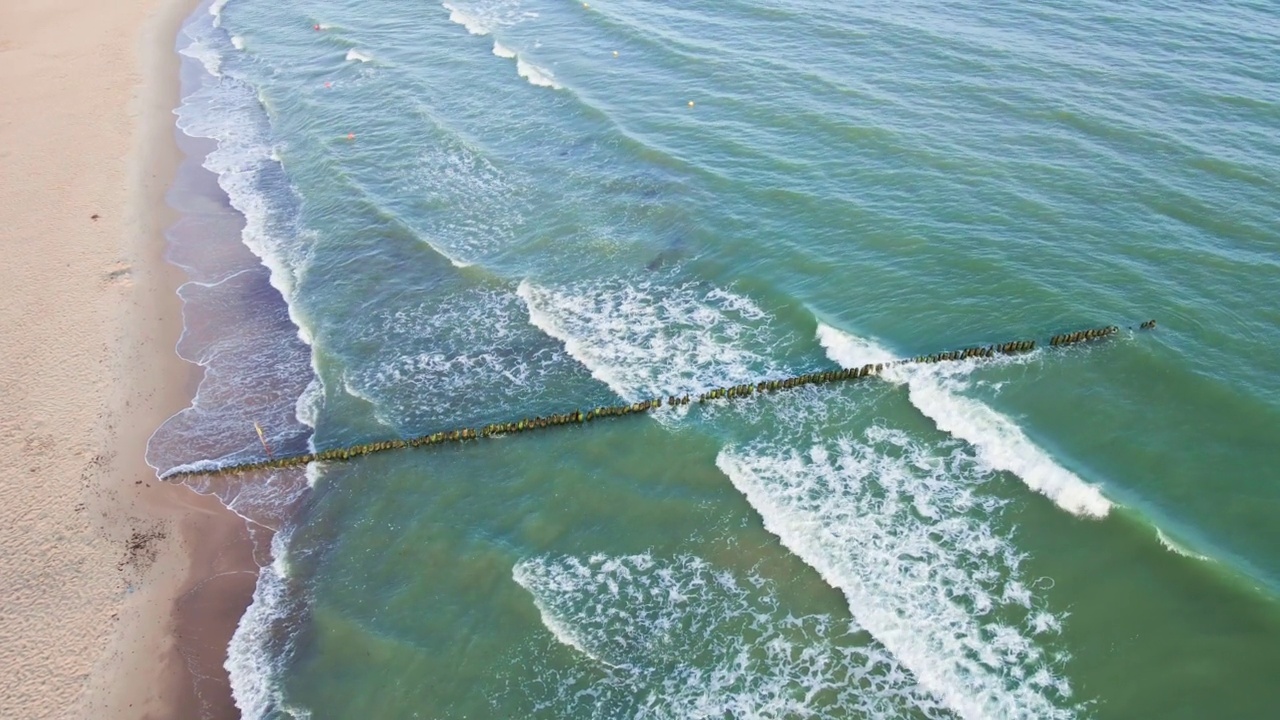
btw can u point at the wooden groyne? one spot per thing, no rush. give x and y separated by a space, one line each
578 417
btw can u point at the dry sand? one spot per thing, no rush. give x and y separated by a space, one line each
115 590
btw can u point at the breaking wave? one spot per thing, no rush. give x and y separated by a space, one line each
254 653
482 17
899 527
935 390
241 328
1174 547
650 338
903 532
470 209
678 638
541 77
473 24
461 358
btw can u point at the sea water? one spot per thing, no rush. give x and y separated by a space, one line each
483 210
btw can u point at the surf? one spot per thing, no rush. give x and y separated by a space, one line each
242 327
904 532
935 390
677 637
655 336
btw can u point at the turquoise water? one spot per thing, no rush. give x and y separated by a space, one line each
495 209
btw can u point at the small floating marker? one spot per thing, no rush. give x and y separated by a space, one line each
586 6
316 27
351 136
328 84
615 53
690 103
262 437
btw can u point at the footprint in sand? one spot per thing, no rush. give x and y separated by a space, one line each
119 274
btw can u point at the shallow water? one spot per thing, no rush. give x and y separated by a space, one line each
496 209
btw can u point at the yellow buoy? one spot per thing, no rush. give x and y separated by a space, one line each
690 103
615 53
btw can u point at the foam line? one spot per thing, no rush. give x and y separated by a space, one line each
477 25
680 638
934 390
215 9
227 110
899 529
457 345
251 655
472 23
649 338
561 630
537 76
1001 444
1174 547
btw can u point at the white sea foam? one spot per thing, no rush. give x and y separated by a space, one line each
229 112
1169 544
482 17
850 351
205 53
1001 444
935 390
253 648
471 209
901 530
651 338
564 633
254 371
215 9
237 42
540 77
313 474
357 56
473 24
941 589
256 355
473 344
677 638
307 408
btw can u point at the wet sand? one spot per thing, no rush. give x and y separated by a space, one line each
118 594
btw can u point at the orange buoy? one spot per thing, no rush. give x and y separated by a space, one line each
351 136
316 26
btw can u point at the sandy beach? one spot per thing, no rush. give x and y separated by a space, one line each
118 593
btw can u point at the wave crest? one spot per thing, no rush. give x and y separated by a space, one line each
679 638
935 391
900 530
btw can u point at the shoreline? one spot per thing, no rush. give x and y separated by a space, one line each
121 592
